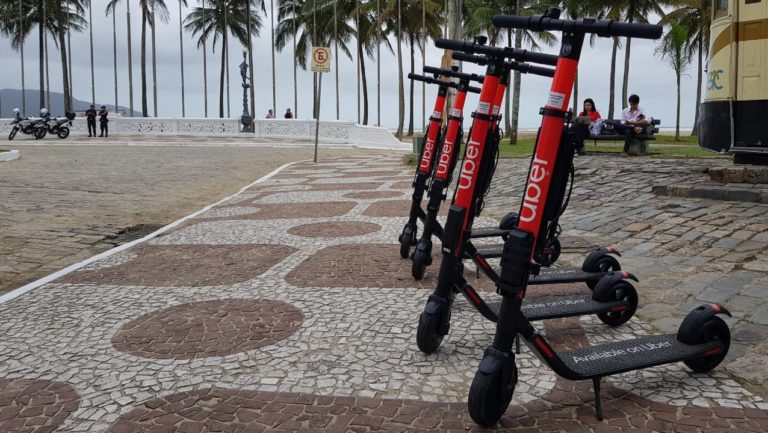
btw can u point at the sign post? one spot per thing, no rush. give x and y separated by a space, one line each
321 63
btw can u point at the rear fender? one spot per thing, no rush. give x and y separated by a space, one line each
689 330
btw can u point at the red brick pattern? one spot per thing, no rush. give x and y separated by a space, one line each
270 211
369 265
334 229
405 184
35 406
368 195
187 265
208 328
397 208
344 186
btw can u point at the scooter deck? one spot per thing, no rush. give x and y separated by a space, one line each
551 307
488 232
563 275
621 356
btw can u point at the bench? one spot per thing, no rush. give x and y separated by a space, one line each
639 144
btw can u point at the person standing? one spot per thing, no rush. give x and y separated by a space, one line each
103 121
288 114
91 120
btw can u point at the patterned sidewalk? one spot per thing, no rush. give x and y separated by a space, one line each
288 308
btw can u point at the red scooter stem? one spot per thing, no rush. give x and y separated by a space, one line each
540 174
452 132
497 105
467 182
428 154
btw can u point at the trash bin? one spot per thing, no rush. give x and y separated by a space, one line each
418 143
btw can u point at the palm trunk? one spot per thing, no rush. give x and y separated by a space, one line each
576 94
93 73
274 81
400 84
181 62
612 81
295 67
154 63
695 130
677 115
205 79
378 65
41 36
21 51
221 81
336 55
114 51
65 70
130 58
516 97
625 83
144 106
365 83
413 53
507 102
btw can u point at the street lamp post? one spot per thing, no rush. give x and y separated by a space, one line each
246 120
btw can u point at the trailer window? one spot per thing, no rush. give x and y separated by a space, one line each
721 8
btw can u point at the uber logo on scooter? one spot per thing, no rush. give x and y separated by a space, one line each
426 159
645 347
470 164
533 190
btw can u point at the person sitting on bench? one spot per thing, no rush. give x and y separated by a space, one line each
634 120
583 123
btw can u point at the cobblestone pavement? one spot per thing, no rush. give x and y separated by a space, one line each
60 204
261 316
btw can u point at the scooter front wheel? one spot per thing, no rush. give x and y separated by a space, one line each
489 396
434 323
407 239
622 291
605 264
551 252
421 258
714 329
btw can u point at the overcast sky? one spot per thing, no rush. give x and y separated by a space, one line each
650 77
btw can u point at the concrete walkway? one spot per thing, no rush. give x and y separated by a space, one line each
287 308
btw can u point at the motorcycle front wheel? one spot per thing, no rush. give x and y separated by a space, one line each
40 133
63 132
13 133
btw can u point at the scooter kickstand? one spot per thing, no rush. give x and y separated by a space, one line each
598 405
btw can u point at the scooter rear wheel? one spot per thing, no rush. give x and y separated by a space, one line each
604 264
714 329
622 291
551 252
63 132
13 133
489 397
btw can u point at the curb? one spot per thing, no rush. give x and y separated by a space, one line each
58 274
10 155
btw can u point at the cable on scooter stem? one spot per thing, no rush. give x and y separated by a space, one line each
524 68
604 28
511 53
450 84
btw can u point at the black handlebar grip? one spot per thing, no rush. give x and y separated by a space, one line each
450 44
544 59
635 30
514 22
536 70
473 89
464 57
452 73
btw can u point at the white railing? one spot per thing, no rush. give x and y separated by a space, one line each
331 131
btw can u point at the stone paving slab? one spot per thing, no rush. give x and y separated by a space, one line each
203 329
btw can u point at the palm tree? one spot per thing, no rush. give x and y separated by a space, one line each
673 49
215 19
480 13
695 17
111 9
181 54
14 26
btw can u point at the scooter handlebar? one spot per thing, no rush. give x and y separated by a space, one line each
522 67
452 73
605 28
451 84
506 52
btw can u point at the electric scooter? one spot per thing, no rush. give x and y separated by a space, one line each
703 338
424 168
613 307
437 193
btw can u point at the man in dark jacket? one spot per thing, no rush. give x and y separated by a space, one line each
103 121
91 120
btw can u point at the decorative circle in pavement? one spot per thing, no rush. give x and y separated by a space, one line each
395 208
369 265
367 195
35 406
271 211
334 229
187 265
208 328
344 186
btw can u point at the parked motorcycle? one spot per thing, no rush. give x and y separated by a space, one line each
29 125
59 126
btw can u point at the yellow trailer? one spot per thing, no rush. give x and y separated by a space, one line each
734 114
